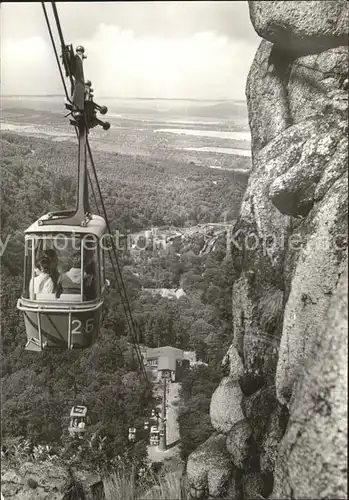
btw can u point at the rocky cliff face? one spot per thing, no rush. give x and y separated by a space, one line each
280 414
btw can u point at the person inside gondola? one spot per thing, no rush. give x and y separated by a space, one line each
90 281
42 281
70 282
53 259
81 425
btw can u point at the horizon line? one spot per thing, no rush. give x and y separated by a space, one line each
134 98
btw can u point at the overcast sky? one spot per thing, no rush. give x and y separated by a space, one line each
199 50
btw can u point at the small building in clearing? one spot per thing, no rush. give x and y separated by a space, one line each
169 293
167 362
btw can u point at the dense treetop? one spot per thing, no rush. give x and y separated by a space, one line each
38 389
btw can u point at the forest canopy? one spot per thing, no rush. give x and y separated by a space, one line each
38 389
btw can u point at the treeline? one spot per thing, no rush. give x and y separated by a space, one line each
138 192
39 388
200 320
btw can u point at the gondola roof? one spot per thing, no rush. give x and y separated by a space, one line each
96 226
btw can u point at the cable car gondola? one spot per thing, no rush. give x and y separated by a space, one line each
64 281
77 421
154 436
132 434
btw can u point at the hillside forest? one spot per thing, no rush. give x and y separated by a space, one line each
38 389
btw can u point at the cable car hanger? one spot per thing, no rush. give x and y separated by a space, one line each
62 305
83 110
41 325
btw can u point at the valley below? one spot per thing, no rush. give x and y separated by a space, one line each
219 138
172 187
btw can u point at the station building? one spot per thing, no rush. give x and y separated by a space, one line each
167 361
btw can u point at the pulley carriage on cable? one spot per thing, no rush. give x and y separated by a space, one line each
64 282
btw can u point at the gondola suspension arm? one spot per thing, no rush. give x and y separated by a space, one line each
83 111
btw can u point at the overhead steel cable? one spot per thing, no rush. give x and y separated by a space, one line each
61 37
93 193
126 305
65 87
55 50
121 286
62 78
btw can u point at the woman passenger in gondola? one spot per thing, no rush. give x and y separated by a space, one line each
45 279
53 258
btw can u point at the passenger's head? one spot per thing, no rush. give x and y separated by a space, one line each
43 263
76 260
47 260
52 256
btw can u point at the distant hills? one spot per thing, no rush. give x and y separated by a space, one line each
157 108
131 98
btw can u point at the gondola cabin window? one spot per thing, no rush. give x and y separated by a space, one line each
62 267
63 291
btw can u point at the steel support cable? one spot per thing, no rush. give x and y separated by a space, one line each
93 193
127 308
55 50
101 198
62 78
89 178
109 230
60 34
